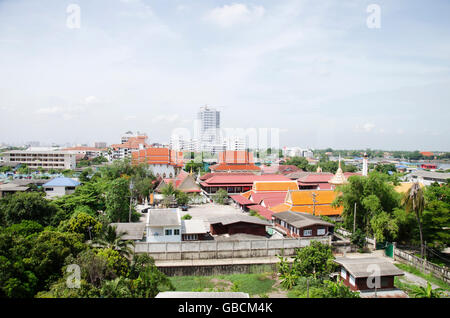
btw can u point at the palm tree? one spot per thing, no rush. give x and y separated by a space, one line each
415 201
111 239
169 193
427 292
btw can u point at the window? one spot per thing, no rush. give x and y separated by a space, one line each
168 232
343 273
320 231
352 280
176 232
307 232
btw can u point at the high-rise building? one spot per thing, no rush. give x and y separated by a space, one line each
209 128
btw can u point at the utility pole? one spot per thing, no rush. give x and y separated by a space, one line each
314 202
131 196
354 219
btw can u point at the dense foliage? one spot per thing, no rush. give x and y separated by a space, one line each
41 239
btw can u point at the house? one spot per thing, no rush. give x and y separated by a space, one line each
263 195
428 177
238 224
60 186
359 275
184 182
297 224
315 202
11 188
163 225
133 231
194 230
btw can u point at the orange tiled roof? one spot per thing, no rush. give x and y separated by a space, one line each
274 185
236 157
153 156
304 197
233 167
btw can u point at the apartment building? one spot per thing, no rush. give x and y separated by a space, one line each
46 159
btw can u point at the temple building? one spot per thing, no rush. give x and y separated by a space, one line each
236 161
315 202
339 178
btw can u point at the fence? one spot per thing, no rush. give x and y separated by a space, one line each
409 259
225 249
347 234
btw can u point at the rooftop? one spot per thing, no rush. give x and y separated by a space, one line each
163 217
300 220
236 218
363 267
134 231
62 182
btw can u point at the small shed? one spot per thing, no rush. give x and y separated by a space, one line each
193 230
133 231
361 274
234 224
298 224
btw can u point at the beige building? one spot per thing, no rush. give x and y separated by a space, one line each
46 159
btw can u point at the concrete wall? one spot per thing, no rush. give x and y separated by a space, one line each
225 249
210 270
409 259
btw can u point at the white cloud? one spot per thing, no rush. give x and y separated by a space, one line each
366 127
91 100
165 118
236 13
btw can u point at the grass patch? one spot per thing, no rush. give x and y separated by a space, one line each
407 288
253 284
428 277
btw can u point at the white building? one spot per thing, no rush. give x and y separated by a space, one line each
428 177
59 187
297 152
234 143
209 129
38 158
163 225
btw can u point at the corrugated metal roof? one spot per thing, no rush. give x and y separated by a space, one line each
62 182
364 267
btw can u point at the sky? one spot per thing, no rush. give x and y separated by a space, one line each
318 71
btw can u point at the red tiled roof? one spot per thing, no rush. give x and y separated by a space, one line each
266 213
234 167
247 179
270 198
427 153
212 174
236 157
241 200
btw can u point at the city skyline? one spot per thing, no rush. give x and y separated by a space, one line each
315 71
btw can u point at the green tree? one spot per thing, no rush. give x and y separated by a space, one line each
314 260
84 224
414 201
113 240
384 227
372 195
118 200
221 196
26 206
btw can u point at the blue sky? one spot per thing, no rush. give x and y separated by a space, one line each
313 69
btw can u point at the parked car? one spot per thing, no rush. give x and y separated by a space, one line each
184 208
